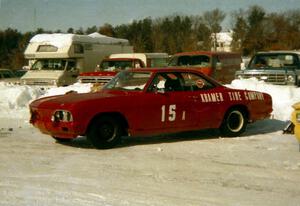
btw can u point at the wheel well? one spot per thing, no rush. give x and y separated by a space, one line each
242 108
118 116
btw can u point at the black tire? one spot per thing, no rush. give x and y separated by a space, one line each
234 123
59 139
105 132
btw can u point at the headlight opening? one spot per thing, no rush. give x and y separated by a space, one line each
62 116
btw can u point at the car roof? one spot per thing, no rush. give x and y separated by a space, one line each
205 53
280 52
119 59
176 69
168 69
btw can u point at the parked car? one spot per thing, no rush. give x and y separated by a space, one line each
274 67
8 76
6 73
143 102
20 72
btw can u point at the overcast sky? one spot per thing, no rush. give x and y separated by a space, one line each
28 15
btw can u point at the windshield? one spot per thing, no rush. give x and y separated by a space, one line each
116 65
159 62
129 80
53 64
194 61
273 61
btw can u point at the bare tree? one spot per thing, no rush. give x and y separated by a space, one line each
213 20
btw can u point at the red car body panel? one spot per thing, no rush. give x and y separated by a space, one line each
144 111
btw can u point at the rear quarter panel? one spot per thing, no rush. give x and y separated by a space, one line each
258 105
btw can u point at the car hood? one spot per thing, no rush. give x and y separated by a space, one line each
73 98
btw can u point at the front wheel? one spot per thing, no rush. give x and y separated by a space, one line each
105 132
234 123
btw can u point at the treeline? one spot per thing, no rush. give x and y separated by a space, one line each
253 30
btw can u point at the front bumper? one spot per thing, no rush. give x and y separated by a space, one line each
57 129
62 130
269 76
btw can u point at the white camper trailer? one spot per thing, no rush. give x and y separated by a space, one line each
57 59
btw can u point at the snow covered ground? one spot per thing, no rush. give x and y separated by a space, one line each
262 167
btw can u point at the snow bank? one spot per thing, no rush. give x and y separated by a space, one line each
80 88
14 100
283 96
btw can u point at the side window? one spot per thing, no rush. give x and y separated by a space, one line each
194 82
289 60
167 82
138 64
78 49
183 61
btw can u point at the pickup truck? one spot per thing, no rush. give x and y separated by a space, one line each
115 63
274 67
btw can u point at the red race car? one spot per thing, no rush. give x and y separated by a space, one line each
148 102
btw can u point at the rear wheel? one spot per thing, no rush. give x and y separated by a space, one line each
234 123
105 132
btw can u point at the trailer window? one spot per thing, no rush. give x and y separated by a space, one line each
78 49
47 48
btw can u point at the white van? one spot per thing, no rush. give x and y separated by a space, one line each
57 59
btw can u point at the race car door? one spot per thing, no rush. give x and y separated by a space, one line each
168 106
205 100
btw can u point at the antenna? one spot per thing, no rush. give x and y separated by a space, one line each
34 19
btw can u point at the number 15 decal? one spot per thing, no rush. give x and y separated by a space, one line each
171 114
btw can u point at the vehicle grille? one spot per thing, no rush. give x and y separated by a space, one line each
95 79
271 78
39 82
